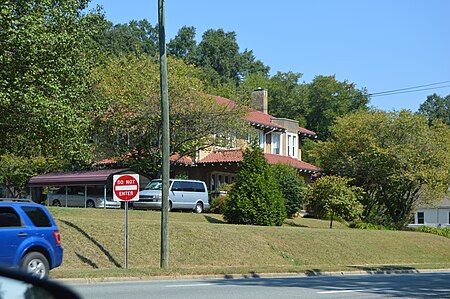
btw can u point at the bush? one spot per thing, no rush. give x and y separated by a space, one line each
292 187
444 232
255 197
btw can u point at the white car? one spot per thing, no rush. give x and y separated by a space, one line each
183 194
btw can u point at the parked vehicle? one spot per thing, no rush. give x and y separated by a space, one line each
75 197
30 238
183 194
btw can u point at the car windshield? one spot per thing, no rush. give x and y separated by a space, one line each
154 185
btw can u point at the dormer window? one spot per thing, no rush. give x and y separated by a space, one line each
276 143
292 145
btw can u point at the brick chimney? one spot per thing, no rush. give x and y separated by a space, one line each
260 99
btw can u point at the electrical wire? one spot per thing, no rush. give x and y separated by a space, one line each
409 89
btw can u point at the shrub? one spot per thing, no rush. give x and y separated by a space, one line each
292 187
255 197
331 196
444 232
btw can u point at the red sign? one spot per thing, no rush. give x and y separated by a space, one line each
126 187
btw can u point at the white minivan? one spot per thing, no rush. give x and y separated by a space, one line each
183 194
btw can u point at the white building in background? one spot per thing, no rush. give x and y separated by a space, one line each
433 215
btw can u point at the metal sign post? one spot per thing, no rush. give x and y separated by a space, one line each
126 189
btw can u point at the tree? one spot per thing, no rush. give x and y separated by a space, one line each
47 51
292 187
183 45
218 52
436 107
286 97
255 197
328 99
15 172
129 125
396 157
332 196
136 36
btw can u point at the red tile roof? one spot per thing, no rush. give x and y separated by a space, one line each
256 117
176 158
234 156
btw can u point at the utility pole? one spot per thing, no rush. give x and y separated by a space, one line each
164 261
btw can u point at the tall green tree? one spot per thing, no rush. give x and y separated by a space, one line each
183 45
396 157
46 53
332 196
292 187
218 52
136 36
328 99
130 121
287 97
255 197
436 107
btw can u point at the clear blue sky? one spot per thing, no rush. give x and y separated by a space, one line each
381 45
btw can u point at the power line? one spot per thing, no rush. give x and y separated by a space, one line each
409 89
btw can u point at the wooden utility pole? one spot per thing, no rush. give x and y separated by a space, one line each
164 261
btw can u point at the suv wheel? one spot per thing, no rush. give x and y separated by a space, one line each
198 208
56 203
90 204
35 264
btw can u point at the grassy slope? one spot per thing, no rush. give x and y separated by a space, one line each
202 244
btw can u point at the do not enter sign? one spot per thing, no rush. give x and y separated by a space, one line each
126 187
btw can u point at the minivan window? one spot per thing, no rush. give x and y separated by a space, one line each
37 216
9 217
199 187
187 186
177 186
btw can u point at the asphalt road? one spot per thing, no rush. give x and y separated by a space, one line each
411 285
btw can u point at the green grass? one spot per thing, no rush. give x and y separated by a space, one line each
202 244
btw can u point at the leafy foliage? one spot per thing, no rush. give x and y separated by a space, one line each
255 197
130 122
394 156
445 232
292 187
46 53
15 172
332 196
436 107
134 37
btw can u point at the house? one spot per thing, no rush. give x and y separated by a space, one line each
280 139
433 215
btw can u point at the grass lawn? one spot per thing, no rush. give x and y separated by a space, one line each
202 244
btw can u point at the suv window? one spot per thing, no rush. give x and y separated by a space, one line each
9 217
37 216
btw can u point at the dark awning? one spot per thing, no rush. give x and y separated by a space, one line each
75 178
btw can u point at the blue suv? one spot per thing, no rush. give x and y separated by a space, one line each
30 239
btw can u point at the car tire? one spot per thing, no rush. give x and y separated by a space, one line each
36 264
198 207
90 204
56 203
170 206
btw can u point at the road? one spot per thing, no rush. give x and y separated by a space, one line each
411 285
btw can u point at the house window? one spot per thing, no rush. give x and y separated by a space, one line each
261 139
276 143
448 217
292 145
227 141
420 218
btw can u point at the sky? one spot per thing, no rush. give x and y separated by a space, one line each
380 45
